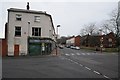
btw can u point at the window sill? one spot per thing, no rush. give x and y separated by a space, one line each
17 36
36 21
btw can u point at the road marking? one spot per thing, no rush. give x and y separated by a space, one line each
83 53
96 72
88 53
72 54
105 76
76 62
78 53
80 64
67 54
87 68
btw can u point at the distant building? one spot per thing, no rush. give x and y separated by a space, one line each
3 43
73 41
29 32
92 41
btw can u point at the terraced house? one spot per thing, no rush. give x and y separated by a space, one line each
29 32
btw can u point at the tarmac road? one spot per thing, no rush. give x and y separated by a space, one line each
70 64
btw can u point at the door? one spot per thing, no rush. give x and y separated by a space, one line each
34 49
16 50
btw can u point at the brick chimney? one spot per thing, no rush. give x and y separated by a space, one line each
28 7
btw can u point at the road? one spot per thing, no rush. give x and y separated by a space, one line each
70 64
105 64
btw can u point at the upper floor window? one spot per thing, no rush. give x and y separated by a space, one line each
37 18
17 31
18 17
36 31
110 40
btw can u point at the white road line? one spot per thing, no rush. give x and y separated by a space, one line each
96 72
67 54
83 53
76 62
105 76
80 64
87 68
78 53
72 54
88 53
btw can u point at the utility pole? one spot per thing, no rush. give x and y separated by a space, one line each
101 40
56 40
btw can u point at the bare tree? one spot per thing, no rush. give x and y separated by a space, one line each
111 24
106 28
88 29
118 27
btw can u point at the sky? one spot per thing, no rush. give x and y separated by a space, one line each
72 15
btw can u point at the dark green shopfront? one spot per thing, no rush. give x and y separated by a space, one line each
40 46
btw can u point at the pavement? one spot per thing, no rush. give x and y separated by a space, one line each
55 52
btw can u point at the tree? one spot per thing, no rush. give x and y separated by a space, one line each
118 27
112 25
88 29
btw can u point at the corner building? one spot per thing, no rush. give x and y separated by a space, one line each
30 32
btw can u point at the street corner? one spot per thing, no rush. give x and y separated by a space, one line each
55 52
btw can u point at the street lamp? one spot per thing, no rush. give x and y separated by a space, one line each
57 38
28 28
101 40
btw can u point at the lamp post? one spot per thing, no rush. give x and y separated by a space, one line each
56 39
28 28
101 40
28 36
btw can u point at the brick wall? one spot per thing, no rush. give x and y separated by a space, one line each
77 41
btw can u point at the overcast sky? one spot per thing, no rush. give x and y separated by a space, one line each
71 15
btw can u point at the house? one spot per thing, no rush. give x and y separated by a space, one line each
107 41
91 41
73 41
3 43
30 32
62 40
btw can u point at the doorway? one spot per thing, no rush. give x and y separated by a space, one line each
16 50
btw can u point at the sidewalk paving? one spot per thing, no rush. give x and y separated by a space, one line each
55 52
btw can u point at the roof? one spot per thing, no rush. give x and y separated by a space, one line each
27 11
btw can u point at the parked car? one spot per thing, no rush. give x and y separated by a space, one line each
67 46
72 47
77 48
61 46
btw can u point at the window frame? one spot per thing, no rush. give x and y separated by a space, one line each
17 31
18 17
36 31
36 18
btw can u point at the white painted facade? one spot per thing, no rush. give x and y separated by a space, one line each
70 41
26 24
0 47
